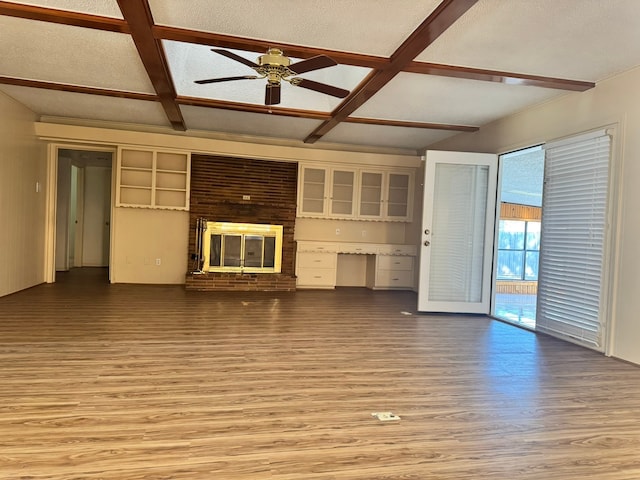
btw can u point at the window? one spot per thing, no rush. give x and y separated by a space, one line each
518 250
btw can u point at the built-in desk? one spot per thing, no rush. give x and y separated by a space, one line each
388 266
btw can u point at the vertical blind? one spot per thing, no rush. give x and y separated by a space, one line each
573 234
459 219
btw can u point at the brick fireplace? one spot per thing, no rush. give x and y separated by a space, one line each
237 190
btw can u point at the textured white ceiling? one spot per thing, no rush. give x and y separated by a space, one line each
105 8
384 136
575 39
91 107
375 27
65 54
415 97
578 39
243 123
189 62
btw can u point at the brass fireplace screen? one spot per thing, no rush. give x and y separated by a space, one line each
241 247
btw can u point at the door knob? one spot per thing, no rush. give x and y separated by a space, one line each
427 243
427 231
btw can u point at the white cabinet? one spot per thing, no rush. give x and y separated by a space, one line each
390 271
370 198
152 179
387 266
312 194
355 193
316 265
385 195
326 192
399 190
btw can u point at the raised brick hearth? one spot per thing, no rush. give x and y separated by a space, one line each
218 186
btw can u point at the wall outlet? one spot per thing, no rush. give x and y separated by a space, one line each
246 197
158 261
337 231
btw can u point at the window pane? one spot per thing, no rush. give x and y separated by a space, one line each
214 251
531 266
511 235
510 265
232 250
253 251
269 252
533 235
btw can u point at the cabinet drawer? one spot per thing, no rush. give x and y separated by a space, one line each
394 278
397 250
317 277
316 260
393 262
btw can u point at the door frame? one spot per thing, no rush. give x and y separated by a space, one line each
51 204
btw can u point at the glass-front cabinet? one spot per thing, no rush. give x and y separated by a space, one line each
355 193
327 192
385 195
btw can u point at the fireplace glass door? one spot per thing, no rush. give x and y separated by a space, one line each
243 252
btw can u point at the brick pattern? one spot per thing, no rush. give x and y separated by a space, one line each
218 186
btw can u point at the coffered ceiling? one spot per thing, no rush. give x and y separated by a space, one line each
416 71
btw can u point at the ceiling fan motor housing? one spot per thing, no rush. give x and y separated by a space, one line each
274 65
275 57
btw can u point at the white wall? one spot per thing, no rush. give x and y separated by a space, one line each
22 209
613 102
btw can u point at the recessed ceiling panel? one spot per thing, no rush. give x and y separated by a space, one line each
74 55
189 62
430 98
242 123
576 39
375 27
105 8
90 107
384 136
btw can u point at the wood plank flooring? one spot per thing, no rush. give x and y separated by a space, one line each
133 382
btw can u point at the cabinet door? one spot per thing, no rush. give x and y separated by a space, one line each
341 199
370 199
313 191
398 196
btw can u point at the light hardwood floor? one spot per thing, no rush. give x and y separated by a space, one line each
131 382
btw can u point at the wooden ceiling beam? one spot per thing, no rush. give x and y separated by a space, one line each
445 15
252 108
63 87
138 16
63 17
497 76
407 124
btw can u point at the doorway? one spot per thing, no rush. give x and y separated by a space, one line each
82 208
515 277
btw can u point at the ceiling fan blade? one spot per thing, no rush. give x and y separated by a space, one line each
272 94
226 79
233 56
313 63
321 87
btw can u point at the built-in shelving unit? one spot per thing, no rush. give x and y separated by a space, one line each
153 179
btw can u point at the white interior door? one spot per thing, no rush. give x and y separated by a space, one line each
457 232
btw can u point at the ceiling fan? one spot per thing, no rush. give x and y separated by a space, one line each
275 67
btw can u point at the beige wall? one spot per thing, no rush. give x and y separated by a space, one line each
143 235
22 209
613 102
